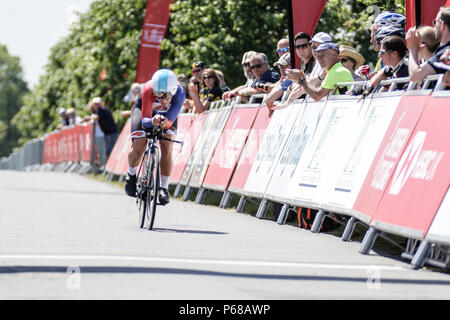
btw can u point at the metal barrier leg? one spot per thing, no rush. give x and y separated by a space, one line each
282 217
262 209
200 196
187 193
225 200
241 204
318 220
177 191
349 228
422 253
369 240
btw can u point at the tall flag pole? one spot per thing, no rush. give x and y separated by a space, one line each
156 19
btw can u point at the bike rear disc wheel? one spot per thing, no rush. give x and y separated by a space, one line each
154 190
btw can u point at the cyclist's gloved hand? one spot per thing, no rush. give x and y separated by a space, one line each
147 123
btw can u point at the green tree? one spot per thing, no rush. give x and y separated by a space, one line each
219 32
349 21
106 37
12 89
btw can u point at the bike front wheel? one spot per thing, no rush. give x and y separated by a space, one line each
153 191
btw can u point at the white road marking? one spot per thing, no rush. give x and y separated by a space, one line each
203 261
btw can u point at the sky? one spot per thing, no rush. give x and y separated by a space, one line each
29 28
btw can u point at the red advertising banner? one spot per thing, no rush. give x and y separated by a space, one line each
189 139
428 11
118 159
154 28
229 148
69 144
397 135
422 176
250 150
86 139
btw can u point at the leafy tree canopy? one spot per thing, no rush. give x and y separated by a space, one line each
217 32
12 89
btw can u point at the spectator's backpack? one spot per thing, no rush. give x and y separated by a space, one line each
306 218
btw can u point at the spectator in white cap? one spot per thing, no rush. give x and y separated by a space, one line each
64 117
327 56
106 122
318 73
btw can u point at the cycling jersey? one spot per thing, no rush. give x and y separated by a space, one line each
147 105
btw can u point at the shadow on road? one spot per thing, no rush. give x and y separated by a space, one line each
180 271
187 231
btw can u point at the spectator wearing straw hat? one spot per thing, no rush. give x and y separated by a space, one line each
351 59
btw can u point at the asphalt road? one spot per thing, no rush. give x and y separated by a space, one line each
65 236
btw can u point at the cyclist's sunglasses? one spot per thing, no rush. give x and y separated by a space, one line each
163 95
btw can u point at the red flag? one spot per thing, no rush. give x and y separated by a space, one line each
306 15
428 11
153 31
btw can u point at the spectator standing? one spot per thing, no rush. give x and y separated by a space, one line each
72 117
393 52
281 86
210 92
64 117
442 30
282 46
327 56
351 59
197 69
247 73
318 73
259 64
107 124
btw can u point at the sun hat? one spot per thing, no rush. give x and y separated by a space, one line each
347 51
97 100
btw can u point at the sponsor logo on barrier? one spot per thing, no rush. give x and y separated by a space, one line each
416 163
385 166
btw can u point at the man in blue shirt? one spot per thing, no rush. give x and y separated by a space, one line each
259 65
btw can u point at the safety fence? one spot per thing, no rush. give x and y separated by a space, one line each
382 162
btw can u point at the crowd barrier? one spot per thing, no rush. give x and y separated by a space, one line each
382 162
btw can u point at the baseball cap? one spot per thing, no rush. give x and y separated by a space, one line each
321 37
97 100
285 60
61 111
327 45
198 65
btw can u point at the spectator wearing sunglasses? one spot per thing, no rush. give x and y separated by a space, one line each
351 59
327 56
282 46
211 91
442 29
318 73
259 64
393 54
247 73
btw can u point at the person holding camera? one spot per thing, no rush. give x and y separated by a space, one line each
211 91
264 75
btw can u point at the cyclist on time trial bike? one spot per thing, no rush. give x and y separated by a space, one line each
158 105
